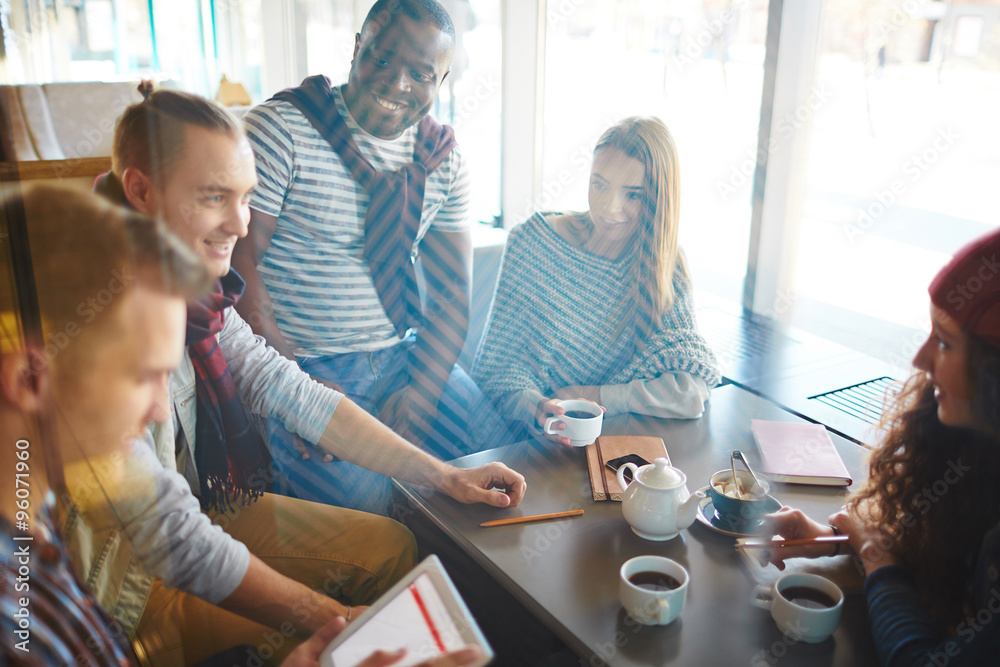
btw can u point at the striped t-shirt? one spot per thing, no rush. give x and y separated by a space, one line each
314 270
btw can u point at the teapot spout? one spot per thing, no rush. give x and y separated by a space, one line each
688 509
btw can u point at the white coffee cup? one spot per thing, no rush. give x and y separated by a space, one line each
648 606
803 623
580 431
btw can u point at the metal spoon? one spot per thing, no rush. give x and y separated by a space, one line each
738 454
736 480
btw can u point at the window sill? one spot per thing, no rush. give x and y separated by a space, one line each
53 169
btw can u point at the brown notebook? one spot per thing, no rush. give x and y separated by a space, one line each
603 481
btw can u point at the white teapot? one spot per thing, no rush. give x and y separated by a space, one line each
657 504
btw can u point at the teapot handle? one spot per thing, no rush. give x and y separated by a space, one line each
621 475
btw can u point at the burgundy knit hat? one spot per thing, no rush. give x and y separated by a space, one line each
968 289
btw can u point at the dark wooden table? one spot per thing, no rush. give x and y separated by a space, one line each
566 572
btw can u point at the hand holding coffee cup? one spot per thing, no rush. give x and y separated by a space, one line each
653 589
806 607
579 421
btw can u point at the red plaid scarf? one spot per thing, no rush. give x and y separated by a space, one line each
231 457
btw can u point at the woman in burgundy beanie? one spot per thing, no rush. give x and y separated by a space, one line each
968 289
925 526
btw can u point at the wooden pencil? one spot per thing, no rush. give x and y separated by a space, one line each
533 517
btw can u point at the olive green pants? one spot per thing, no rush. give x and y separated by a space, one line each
349 555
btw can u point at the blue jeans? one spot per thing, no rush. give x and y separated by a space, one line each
369 379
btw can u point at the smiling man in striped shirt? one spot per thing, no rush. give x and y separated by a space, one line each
355 182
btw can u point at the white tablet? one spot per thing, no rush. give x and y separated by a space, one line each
422 613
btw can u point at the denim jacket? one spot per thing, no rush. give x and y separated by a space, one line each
157 530
163 532
270 386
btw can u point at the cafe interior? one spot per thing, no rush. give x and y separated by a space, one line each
835 155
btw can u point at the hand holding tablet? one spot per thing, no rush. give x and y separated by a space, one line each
423 614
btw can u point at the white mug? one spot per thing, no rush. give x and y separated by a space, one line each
581 432
647 606
799 622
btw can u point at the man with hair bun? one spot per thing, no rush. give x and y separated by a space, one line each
72 412
183 159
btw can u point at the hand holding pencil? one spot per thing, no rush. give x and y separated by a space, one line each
798 537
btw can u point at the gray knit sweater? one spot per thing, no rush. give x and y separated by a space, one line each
563 316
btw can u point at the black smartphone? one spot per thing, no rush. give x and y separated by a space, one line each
615 464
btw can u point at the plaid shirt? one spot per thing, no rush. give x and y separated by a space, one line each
48 617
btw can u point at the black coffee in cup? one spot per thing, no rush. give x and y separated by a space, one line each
654 581
810 598
580 414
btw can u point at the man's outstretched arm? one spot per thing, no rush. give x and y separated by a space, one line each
275 387
354 435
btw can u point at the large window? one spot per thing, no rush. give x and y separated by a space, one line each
900 131
264 44
189 42
902 165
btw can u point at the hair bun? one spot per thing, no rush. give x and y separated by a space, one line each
145 88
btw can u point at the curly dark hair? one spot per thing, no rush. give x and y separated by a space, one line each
935 489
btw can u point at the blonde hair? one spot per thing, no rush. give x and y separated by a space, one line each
648 140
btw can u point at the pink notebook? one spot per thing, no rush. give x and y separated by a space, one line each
799 453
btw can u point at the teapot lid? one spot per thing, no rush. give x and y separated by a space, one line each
660 475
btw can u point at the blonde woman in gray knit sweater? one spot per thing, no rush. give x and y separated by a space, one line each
597 305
